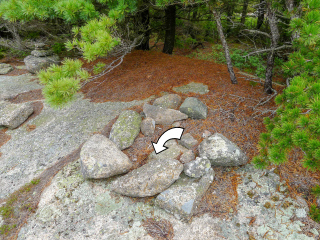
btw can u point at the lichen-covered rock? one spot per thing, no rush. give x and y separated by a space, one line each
188 141
35 64
162 115
192 88
5 68
100 158
125 130
13 115
194 108
173 152
150 179
41 53
183 197
172 101
197 168
221 151
147 126
187 156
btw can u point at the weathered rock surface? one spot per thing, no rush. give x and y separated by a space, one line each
150 179
13 115
173 152
187 156
5 68
101 158
162 115
194 108
148 126
197 168
182 198
221 151
172 101
41 53
206 134
35 64
188 141
192 88
125 130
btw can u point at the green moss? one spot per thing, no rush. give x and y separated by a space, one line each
267 205
250 194
5 229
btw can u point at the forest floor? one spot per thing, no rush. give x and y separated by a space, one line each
234 110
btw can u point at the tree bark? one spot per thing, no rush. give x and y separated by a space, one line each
244 11
261 11
170 25
143 19
275 36
225 47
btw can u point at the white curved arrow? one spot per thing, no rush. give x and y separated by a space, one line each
172 133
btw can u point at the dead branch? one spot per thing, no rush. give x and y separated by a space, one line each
268 50
257 32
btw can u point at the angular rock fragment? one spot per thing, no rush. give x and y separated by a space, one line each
206 134
148 126
162 115
183 197
194 108
101 158
188 141
150 179
173 152
172 101
197 168
5 68
125 130
187 156
221 151
13 115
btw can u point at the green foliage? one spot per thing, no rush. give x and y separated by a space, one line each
297 124
58 47
5 229
316 191
315 213
99 67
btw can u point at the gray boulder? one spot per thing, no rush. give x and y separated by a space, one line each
13 115
150 179
35 64
187 156
125 130
148 126
162 115
42 53
5 68
197 168
183 197
188 141
194 108
100 158
172 101
221 151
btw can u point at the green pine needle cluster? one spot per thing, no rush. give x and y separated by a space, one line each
297 124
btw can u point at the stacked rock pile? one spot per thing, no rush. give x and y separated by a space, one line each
40 58
178 176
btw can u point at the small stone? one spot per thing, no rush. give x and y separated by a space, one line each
148 126
173 152
186 157
197 168
5 68
101 158
176 124
172 101
41 53
188 141
125 130
206 134
35 64
194 108
40 46
162 115
13 115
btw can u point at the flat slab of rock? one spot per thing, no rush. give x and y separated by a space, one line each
172 101
192 88
125 130
187 156
42 53
162 115
221 151
150 179
13 115
101 158
35 64
173 152
197 168
183 197
5 68
148 126
188 141
194 108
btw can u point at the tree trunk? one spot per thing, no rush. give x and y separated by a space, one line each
244 11
143 19
275 36
225 47
170 29
261 11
